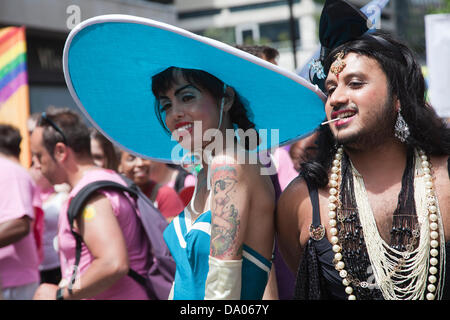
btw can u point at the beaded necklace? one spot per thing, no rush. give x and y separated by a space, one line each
391 267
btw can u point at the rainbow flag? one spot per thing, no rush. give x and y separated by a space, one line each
13 68
14 95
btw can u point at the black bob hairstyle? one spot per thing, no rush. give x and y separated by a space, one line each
163 81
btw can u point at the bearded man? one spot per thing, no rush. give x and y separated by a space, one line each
369 215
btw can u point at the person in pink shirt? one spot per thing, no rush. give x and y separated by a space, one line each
113 238
285 167
53 198
19 275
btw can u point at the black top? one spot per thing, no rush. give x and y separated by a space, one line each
317 277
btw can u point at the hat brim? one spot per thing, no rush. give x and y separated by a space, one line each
108 66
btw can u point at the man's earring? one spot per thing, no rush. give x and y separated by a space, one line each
401 128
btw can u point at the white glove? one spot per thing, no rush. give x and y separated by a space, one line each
171 292
224 279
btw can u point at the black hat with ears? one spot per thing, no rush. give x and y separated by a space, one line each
340 22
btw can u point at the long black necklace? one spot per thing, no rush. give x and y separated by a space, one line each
351 237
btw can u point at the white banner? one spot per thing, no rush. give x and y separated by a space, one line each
437 32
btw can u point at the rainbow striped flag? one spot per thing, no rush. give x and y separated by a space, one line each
13 67
14 94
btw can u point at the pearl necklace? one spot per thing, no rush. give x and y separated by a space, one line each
434 234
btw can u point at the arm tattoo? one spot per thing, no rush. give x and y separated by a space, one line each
225 224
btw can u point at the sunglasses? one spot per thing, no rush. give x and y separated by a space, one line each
49 121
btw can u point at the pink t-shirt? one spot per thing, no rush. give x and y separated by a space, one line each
18 261
126 288
285 167
189 181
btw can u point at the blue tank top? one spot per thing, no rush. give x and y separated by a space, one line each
189 244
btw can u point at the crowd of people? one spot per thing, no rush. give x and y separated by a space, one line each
359 209
33 233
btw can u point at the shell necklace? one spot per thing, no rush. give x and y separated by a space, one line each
399 275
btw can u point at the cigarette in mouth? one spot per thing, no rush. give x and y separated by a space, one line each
327 122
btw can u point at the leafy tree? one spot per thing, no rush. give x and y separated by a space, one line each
443 8
221 34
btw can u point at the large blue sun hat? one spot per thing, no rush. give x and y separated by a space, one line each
109 62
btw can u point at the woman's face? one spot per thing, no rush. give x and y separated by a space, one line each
189 111
135 168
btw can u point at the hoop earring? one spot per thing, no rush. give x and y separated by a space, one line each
401 128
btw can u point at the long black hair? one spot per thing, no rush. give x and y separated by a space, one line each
406 82
163 81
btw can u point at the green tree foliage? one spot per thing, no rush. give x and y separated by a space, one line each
221 34
443 8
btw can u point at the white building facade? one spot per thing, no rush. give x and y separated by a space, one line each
255 21
48 22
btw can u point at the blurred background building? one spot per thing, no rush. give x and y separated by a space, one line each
291 26
256 21
268 22
48 23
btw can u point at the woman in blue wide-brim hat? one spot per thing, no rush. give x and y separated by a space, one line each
163 93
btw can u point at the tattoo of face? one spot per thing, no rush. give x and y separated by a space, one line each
225 214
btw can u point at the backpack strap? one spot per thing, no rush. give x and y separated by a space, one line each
144 282
75 207
78 202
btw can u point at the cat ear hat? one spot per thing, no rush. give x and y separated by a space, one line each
109 62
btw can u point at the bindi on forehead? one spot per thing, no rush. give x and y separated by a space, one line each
356 64
339 64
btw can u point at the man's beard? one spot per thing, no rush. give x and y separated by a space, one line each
380 129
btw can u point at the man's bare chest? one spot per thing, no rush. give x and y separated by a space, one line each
383 205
